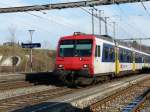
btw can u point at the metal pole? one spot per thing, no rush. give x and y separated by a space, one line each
92 21
106 30
140 44
31 51
114 29
100 23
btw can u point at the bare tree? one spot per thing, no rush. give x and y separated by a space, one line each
12 31
45 45
12 38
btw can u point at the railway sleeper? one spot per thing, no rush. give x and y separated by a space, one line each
133 106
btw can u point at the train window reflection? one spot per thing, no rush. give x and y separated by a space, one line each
79 48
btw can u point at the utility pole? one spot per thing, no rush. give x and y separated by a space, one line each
114 29
31 34
106 30
92 20
140 44
100 23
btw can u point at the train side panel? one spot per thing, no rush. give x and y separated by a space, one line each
125 58
119 60
103 64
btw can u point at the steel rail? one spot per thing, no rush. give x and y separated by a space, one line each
14 85
137 103
10 104
122 98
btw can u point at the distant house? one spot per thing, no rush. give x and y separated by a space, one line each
11 44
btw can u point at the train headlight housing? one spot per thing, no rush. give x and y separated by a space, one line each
60 66
85 66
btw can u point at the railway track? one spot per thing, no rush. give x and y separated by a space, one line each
18 102
138 103
130 99
13 103
145 105
14 85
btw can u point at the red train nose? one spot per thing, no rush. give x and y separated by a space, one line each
74 63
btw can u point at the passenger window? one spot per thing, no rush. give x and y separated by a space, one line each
111 54
121 56
133 56
129 57
106 53
98 51
136 58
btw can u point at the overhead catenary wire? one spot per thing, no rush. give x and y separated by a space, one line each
64 5
41 17
34 25
50 20
130 35
102 19
146 10
130 23
58 23
96 16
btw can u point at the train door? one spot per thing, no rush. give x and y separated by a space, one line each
133 60
144 61
117 63
97 60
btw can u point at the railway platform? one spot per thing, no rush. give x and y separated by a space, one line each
86 98
31 77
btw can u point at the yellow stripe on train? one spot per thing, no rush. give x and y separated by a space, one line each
133 66
117 71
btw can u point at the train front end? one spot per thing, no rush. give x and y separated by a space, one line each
74 60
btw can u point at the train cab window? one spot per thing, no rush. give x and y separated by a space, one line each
75 48
98 51
83 47
66 48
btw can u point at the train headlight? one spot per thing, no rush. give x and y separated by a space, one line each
85 66
60 66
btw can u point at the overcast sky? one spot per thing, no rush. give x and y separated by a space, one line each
132 22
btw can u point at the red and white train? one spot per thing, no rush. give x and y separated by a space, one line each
83 58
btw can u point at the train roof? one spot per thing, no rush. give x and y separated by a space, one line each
106 38
122 44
